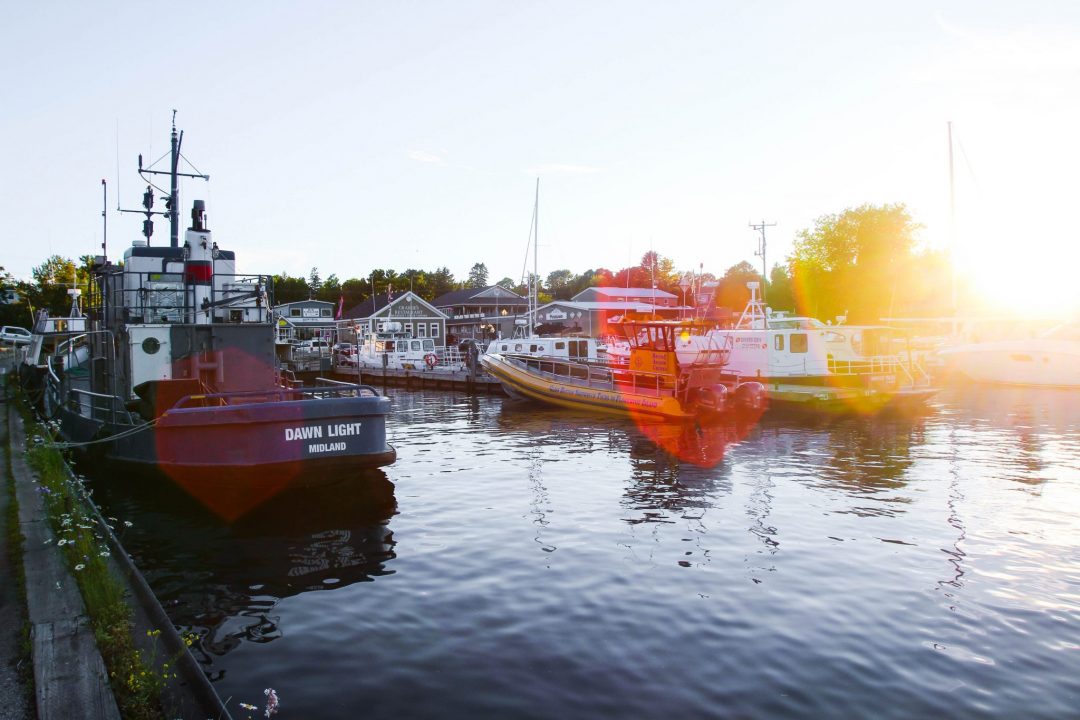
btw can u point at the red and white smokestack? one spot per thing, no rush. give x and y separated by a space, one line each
199 266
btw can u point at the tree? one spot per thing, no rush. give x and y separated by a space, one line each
478 276
330 289
507 283
314 283
855 263
733 292
442 282
52 280
14 313
781 293
288 289
559 284
355 291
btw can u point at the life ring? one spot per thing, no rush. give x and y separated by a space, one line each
430 359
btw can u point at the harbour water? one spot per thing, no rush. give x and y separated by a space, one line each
524 562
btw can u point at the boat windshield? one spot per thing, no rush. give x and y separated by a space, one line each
796 323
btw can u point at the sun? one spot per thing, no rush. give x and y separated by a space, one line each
1022 276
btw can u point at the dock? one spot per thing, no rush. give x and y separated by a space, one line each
461 380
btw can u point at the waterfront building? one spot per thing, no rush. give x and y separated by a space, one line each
654 297
482 313
304 320
417 317
588 312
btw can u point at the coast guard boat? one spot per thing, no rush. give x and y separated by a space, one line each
804 363
173 368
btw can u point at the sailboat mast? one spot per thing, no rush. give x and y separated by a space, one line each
534 297
952 225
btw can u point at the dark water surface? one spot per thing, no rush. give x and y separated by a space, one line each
524 562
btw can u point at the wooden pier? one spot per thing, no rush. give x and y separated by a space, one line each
480 383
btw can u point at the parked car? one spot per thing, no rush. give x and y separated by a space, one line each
321 347
15 335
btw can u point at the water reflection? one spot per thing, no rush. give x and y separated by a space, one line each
867 459
223 580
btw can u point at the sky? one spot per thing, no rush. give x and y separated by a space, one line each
362 135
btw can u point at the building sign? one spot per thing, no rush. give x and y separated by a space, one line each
408 309
556 315
310 312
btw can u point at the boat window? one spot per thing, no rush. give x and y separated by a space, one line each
778 342
415 345
798 342
560 346
532 348
429 344
517 347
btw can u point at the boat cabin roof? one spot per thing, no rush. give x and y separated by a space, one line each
659 334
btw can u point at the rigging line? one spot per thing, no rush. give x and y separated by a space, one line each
151 184
525 263
971 170
118 163
197 170
151 165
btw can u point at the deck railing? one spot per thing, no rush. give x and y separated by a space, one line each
593 375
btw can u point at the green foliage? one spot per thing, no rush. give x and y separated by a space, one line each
289 289
478 276
780 294
52 280
560 284
442 282
330 290
136 681
855 262
733 292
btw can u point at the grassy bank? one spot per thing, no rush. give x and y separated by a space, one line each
136 679
14 544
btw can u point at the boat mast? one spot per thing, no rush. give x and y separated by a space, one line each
172 200
172 204
534 295
952 227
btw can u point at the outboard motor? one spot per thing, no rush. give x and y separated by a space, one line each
710 400
750 397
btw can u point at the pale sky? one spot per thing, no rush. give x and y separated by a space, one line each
361 135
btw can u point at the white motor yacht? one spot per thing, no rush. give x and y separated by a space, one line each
1051 359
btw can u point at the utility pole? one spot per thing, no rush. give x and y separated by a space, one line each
760 227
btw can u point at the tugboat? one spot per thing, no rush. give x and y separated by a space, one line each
173 368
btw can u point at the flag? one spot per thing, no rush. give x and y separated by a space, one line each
340 306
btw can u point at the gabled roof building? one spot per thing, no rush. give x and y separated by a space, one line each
481 312
417 317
